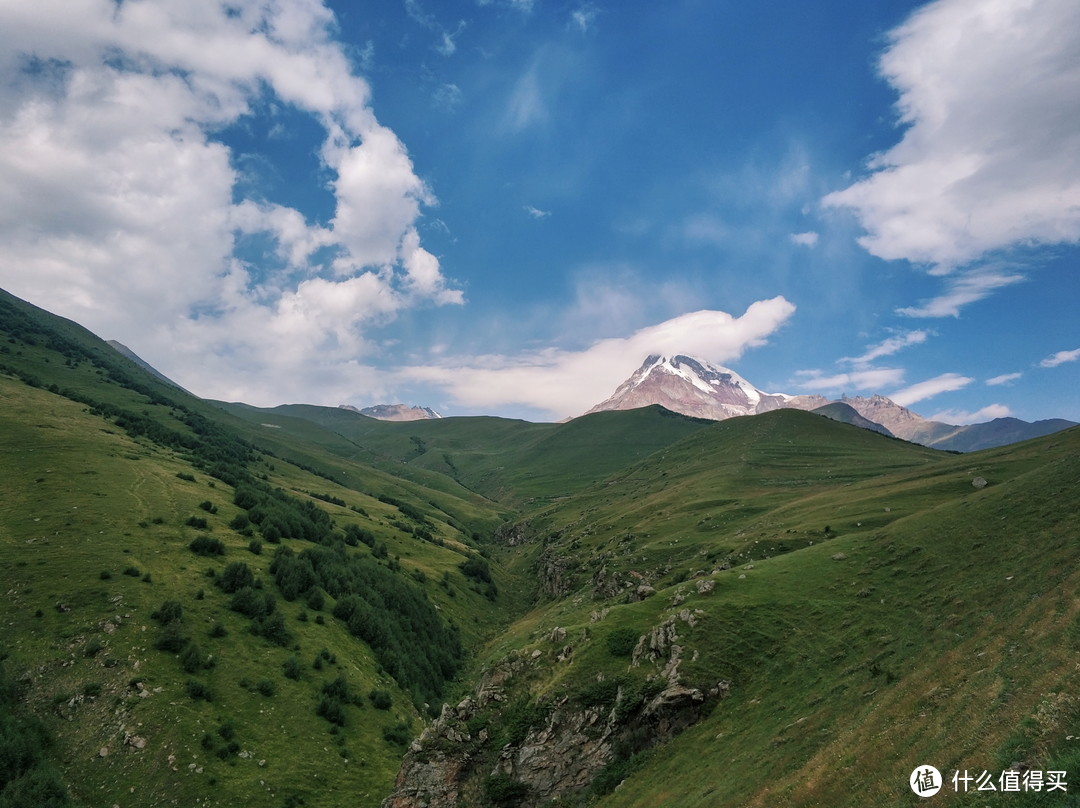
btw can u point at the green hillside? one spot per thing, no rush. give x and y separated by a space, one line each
215 604
514 462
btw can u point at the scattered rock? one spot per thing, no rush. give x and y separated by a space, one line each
705 586
839 557
979 483
103 751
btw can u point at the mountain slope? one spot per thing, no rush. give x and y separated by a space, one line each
696 388
784 607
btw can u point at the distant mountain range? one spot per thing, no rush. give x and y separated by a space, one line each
698 388
394 412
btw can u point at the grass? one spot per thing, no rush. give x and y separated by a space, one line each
868 608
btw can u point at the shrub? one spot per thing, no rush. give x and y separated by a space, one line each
105 575
134 572
218 631
197 690
235 577
255 546
206 546
381 700
504 789
168 611
197 522
397 734
93 648
621 641
292 668
332 710
266 687
185 476
208 506
191 659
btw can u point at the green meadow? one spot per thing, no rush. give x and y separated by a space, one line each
210 604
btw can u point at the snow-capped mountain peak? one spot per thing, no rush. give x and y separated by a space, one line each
696 387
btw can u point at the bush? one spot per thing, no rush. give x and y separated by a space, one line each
197 690
134 572
398 734
208 506
621 641
266 687
168 612
504 789
292 668
381 700
255 546
105 575
206 546
191 659
332 710
197 522
235 577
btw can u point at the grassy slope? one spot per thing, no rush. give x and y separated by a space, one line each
515 462
82 505
946 632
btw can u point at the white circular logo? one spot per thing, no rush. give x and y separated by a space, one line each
925 781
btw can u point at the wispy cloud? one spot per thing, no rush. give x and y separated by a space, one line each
584 18
1060 358
987 413
989 106
864 379
945 383
1005 378
565 383
536 213
888 347
961 290
807 239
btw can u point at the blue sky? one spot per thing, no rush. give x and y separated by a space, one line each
502 206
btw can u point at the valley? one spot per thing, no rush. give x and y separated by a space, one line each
213 604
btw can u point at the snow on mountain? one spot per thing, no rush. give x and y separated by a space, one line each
697 388
394 412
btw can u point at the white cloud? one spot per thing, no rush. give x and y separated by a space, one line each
960 290
1005 378
583 18
117 203
807 239
945 383
989 98
565 383
888 347
987 413
1060 358
863 379
536 213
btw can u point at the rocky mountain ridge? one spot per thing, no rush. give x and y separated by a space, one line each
700 389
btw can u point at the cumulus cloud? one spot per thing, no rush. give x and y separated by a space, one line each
1060 358
989 98
987 413
565 383
120 208
945 383
1005 378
